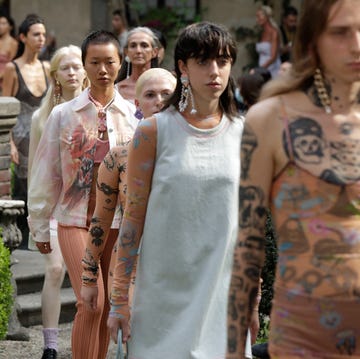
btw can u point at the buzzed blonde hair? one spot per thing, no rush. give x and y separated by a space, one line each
151 75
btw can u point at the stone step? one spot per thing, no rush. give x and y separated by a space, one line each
32 283
28 269
29 312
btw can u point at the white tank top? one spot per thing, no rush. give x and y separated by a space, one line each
180 300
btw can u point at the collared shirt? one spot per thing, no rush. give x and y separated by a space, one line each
62 170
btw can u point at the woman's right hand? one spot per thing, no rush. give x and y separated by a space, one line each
89 296
114 324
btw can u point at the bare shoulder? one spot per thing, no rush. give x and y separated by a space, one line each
46 65
268 111
10 67
264 122
10 71
10 80
264 113
146 132
148 125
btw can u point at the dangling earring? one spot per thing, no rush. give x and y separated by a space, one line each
321 91
138 114
186 93
127 60
57 93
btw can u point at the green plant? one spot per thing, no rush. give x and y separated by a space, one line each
168 19
268 276
6 289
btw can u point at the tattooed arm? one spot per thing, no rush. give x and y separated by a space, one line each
141 161
256 177
110 186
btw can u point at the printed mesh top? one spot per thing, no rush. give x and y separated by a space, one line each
317 288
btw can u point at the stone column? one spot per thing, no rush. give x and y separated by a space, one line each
9 209
9 109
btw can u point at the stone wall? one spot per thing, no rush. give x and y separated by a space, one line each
9 109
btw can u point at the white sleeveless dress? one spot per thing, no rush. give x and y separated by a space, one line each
264 50
185 260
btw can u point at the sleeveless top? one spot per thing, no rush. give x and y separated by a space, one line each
179 309
264 51
21 130
316 302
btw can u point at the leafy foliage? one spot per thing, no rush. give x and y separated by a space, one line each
6 289
167 19
268 276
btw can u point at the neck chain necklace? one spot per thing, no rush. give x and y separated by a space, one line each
102 127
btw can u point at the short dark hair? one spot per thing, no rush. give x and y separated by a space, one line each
160 35
290 10
118 12
99 37
30 20
11 22
250 87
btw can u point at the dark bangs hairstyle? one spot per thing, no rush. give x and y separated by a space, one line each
205 40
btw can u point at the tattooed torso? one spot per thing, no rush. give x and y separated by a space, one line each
304 164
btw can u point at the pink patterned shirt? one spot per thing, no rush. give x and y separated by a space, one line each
62 170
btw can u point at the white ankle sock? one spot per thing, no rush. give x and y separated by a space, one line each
50 338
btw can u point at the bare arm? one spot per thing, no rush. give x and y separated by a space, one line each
10 83
256 177
35 135
9 80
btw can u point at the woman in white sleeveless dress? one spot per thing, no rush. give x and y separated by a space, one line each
268 48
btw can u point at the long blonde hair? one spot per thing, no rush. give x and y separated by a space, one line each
268 13
305 56
47 103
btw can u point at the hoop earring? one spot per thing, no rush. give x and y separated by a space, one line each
186 94
57 93
128 64
321 91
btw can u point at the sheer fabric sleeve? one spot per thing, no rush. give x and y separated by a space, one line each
141 162
110 193
35 135
45 179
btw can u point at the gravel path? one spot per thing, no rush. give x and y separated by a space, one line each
34 347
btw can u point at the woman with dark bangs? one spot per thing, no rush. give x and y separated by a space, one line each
182 199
